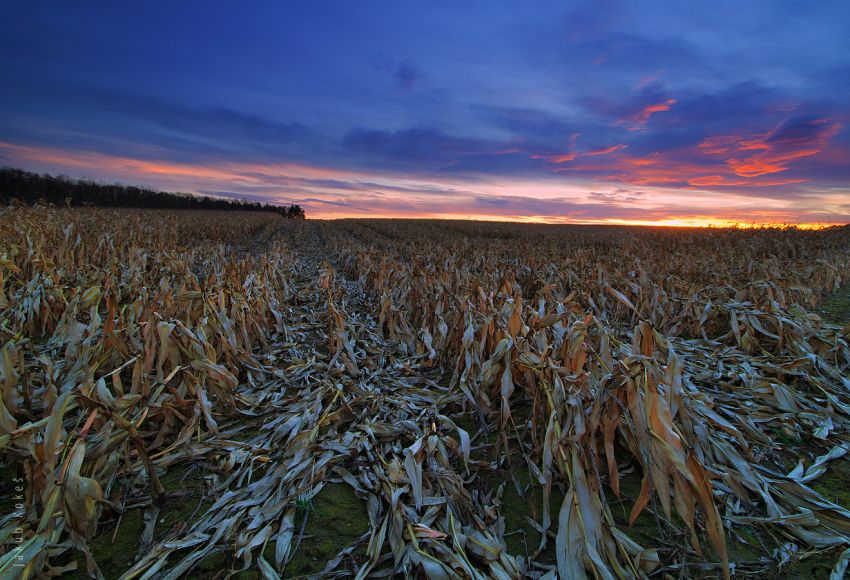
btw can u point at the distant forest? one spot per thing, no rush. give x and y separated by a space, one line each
31 188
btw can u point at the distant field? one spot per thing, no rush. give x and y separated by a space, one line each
199 394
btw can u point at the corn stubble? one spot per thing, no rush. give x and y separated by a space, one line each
418 362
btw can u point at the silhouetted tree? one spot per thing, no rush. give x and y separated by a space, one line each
31 188
295 212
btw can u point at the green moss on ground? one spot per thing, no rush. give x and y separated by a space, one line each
521 538
114 557
213 564
745 547
645 531
115 552
836 308
336 519
815 567
833 486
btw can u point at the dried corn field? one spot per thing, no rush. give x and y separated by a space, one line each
213 395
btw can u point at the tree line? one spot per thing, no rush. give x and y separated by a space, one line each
31 188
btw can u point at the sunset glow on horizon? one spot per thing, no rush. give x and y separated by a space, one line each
666 114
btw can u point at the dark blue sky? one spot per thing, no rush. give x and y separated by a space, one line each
629 111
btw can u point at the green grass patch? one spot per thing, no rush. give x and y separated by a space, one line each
836 308
335 518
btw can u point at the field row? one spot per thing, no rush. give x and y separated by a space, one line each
467 399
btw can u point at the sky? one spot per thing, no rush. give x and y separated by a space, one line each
679 113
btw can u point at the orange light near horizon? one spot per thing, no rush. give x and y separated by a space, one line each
719 223
684 222
690 201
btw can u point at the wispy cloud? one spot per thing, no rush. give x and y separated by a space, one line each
639 120
773 152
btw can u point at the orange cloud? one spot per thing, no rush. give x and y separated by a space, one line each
719 180
746 160
720 144
649 79
129 167
557 158
774 150
641 118
650 110
572 156
683 168
605 150
561 157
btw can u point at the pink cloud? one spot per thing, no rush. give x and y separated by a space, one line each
605 150
774 150
639 120
573 155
